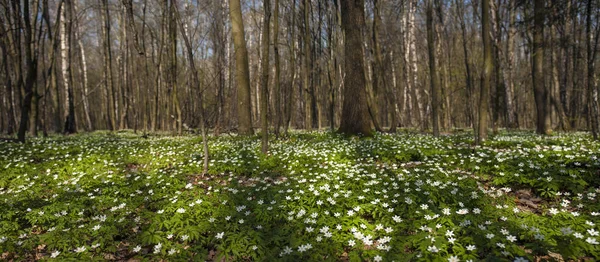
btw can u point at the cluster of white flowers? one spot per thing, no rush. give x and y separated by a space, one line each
319 194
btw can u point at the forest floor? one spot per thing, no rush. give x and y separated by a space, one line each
315 197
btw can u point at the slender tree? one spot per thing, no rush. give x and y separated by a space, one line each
264 89
30 70
511 117
65 45
276 81
195 85
460 8
434 80
178 121
592 50
241 69
484 95
108 76
84 73
289 112
307 88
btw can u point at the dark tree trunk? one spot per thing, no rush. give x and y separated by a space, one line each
276 91
264 88
31 72
434 80
355 114
539 89
592 93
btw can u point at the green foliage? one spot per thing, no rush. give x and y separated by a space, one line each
315 196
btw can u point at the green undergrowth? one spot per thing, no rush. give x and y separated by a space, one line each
316 196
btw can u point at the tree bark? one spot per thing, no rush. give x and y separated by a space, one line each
178 122
108 76
469 75
413 62
540 92
276 84
592 91
355 115
555 93
85 93
65 46
500 89
484 96
10 112
195 86
511 116
30 69
264 89
241 69
434 80
290 92
307 68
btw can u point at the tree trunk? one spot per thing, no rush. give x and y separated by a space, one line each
195 86
264 90
241 69
371 95
290 92
30 69
434 80
52 81
7 99
576 74
407 104
65 46
108 77
592 91
307 68
178 122
469 75
85 93
413 62
498 108
277 91
379 80
540 92
484 96
355 115
555 94
511 116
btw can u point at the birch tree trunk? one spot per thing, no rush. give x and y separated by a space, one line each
85 93
413 62
65 44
